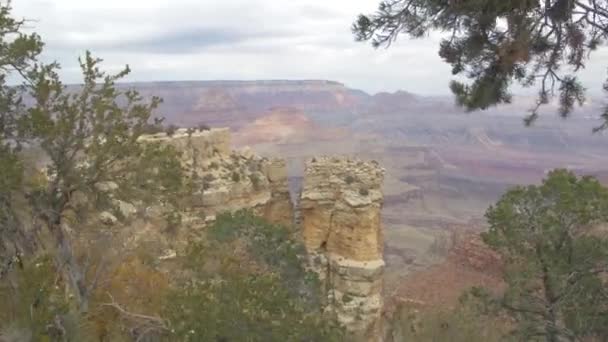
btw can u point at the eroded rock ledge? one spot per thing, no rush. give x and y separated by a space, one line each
340 208
230 180
338 214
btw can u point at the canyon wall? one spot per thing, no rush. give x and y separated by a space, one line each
338 213
227 180
340 208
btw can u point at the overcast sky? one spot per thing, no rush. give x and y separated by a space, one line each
240 39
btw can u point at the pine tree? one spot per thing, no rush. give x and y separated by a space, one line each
556 257
496 43
19 52
89 137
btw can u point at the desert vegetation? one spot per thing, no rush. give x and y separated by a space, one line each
67 272
554 249
95 244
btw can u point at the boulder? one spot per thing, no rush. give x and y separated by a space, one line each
107 218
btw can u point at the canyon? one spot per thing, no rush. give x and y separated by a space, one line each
441 169
444 167
337 214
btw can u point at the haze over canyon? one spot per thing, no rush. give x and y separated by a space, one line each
444 166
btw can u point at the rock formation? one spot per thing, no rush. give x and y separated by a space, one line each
229 180
340 209
339 214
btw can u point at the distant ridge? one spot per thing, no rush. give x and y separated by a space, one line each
232 83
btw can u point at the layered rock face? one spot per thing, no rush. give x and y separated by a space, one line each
339 214
340 208
229 180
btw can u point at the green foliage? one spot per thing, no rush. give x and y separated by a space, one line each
555 262
34 301
496 43
171 129
349 179
91 136
19 52
209 178
247 282
203 127
604 114
153 128
346 298
236 177
255 180
271 245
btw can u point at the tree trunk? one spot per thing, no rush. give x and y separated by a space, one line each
551 321
68 265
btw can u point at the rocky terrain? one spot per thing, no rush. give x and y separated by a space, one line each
340 206
338 215
443 167
228 180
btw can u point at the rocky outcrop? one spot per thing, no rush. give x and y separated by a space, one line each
339 214
196 146
227 180
340 207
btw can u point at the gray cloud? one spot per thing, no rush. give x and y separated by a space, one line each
240 39
186 41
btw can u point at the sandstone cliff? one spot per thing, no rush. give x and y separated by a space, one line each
340 209
227 180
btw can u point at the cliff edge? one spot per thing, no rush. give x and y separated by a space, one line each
340 208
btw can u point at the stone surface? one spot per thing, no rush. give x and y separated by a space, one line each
229 180
107 218
127 210
197 146
340 208
339 213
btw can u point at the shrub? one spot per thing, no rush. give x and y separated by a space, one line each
255 180
214 166
363 191
32 301
346 298
171 129
203 127
350 179
253 165
152 129
236 177
248 282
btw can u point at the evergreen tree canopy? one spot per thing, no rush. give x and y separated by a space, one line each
88 136
19 52
556 257
247 281
496 43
